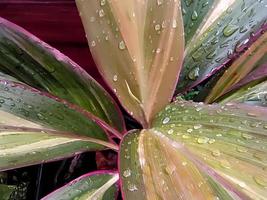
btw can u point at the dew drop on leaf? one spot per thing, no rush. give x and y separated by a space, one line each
166 120
194 15
261 180
127 173
122 45
229 30
132 187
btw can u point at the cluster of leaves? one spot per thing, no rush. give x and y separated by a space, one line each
51 109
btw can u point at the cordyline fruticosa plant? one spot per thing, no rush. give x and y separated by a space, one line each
51 109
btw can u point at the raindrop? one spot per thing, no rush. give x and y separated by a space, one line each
132 187
190 130
102 2
40 116
127 173
225 164
2 101
115 78
247 136
211 141
122 45
170 131
194 15
202 140
261 180
241 149
174 23
93 43
157 27
184 163
229 30
197 126
101 13
216 153
205 4
158 50
194 73
159 2
166 120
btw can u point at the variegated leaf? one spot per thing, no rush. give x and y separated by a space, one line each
30 60
99 185
198 151
138 48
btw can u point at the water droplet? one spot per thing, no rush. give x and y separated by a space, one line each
166 120
127 173
247 136
194 15
241 149
170 169
157 27
122 45
174 23
194 73
2 101
101 13
202 140
40 116
211 141
229 30
132 187
158 50
159 2
261 180
184 163
115 78
225 164
93 43
197 126
102 2
205 4
190 130
170 131
216 153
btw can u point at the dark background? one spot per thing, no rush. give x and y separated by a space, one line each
56 22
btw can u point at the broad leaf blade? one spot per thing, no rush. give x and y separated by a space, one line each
219 43
240 68
198 151
194 15
20 101
138 48
99 185
6 191
21 146
35 63
255 95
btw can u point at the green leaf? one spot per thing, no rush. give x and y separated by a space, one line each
194 15
221 41
42 119
6 191
240 68
255 95
198 151
99 185
138 48
37 64
20 146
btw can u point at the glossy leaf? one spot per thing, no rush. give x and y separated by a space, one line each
20 146
194 15
35 63
240 68
219 44
100 185
6 191
198 151
255 95
138 48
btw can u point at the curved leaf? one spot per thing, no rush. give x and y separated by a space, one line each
255 95
20 101
240 68
35 63
6 191
20 146
99 185
138 48
194 15
220 43
198 151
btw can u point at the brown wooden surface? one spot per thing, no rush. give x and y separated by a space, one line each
56 22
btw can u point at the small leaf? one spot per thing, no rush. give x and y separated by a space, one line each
99 185
198 151
240 68
37 64
217 46
138 48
